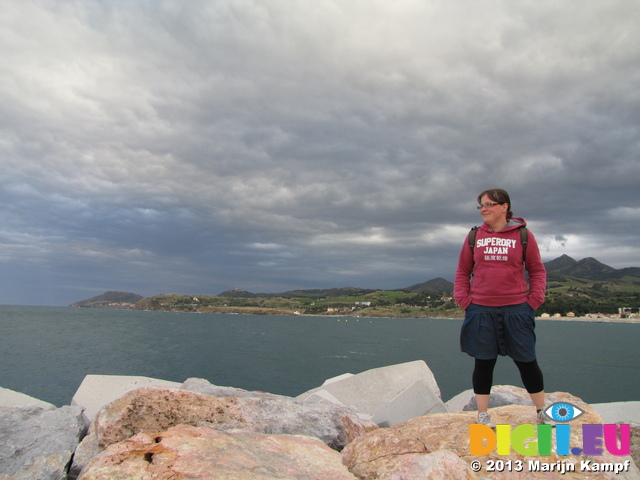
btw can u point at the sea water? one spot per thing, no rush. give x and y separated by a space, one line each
45 352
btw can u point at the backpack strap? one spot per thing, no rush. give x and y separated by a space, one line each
472 237
524 236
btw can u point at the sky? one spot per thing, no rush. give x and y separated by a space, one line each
194 147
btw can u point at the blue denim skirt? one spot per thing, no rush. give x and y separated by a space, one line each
491 331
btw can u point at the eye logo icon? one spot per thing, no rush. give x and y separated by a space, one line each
563 412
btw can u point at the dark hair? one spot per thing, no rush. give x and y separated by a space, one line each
497 195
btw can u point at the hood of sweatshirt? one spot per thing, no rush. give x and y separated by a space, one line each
512 224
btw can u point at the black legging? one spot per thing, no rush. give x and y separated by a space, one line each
530 373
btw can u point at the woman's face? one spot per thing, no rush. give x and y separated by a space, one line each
494 215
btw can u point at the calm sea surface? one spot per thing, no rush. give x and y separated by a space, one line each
45 352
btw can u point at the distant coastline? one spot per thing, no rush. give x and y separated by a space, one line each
384 304
590 319
393 313
372 312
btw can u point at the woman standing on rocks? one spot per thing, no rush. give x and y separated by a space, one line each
490 285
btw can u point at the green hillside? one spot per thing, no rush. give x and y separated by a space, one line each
395 303
112 299
588 286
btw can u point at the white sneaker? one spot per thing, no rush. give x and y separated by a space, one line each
485 419
544 419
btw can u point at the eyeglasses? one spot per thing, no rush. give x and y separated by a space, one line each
488 205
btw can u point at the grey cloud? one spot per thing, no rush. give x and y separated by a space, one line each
561 240
267 145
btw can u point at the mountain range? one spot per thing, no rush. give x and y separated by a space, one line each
564 266
557 270
588 268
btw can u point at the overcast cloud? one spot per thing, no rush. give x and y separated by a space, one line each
270 145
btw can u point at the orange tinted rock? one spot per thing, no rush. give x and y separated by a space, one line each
154 409
380 453
198 452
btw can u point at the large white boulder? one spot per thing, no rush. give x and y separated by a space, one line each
9 398
386 395
618 412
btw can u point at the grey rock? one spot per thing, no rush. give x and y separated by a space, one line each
200 385
501 395
87 450
37 443
333 423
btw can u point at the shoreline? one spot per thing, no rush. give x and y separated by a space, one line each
590 319
347 315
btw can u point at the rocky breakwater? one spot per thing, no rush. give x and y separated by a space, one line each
388 424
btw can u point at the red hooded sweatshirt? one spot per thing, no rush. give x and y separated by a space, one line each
498 271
